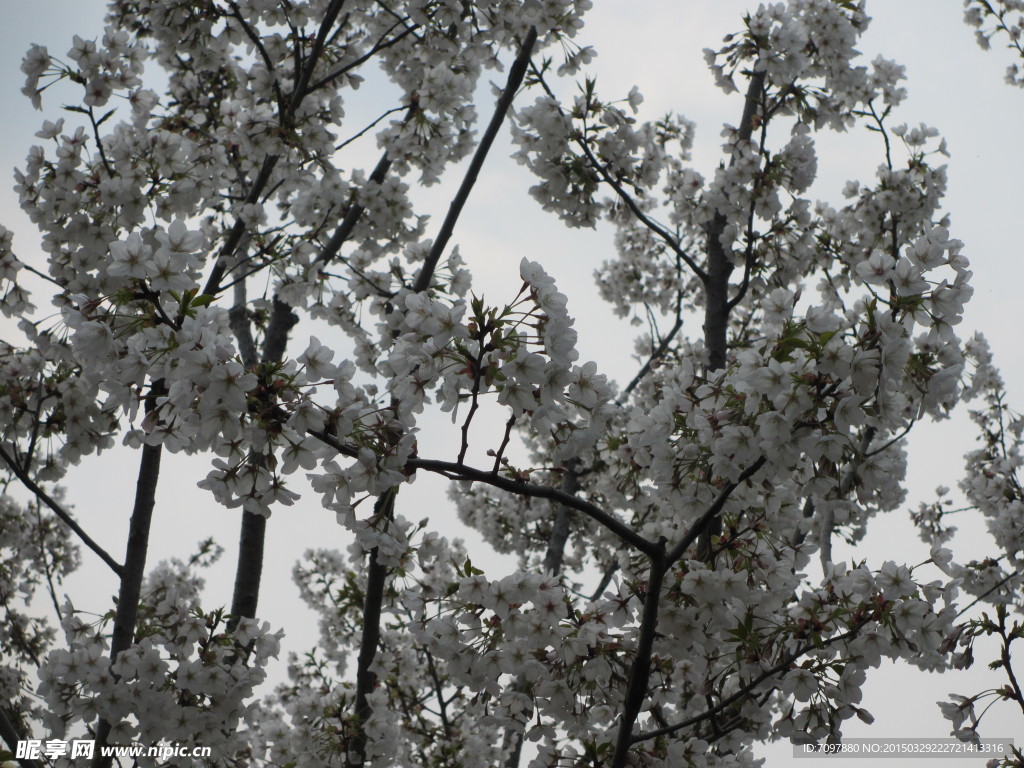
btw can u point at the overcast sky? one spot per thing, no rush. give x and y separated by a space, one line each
655 44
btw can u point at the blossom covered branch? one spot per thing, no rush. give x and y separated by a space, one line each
700 491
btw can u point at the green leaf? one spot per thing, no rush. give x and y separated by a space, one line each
104 118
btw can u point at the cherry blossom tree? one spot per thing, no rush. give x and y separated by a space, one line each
994 20
992 485
676 598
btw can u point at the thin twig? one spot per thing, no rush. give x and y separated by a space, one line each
655 356
626 198
363 131
30 451
986 593
47 569
474 397
37 273
99 143
504 444
781 667
379 46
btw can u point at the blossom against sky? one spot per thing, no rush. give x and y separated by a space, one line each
953 86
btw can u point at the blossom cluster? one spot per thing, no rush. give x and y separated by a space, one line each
186 678
995 19
701 487
36 553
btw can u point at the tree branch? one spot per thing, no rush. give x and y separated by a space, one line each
555 554
717 306
515 78
366 680
655 355
254 38
99 142
352 215
1004 656
606 579
379 46
746 690
456 471
712 512
640 670
282 320
249 571
238 317
58 510
716 286
213 286
134 571
462 472
238 230
626 198
11 737
512 743
845 484
642 217
300 91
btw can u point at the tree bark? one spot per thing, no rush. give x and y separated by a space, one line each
134 571
249 572
11 737
716 342
373 601
640 670
716 285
